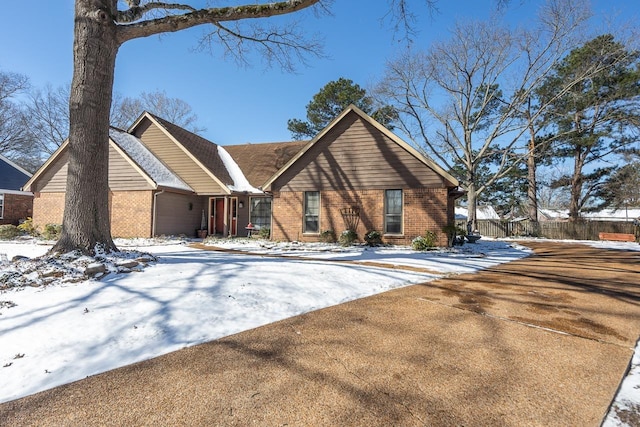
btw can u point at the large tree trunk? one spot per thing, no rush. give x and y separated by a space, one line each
471 205
576 186
532 184
86 213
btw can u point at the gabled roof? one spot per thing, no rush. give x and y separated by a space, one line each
393 137
12 176
134 151
201 150
259 162
145 161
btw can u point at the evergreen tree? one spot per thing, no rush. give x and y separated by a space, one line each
596 116
330 101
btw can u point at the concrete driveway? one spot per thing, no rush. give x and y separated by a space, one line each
543 341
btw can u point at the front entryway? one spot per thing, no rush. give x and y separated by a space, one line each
223 220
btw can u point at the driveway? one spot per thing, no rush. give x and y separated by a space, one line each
543 341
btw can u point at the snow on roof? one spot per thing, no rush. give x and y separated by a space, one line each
554 213
603 215
482 212
240 182
622 214
148 162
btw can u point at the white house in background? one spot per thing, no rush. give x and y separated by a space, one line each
603 215
628 214
482 212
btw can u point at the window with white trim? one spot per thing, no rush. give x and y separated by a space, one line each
260 212
393 211
311 212
1 205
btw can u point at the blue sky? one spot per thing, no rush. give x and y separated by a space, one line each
238 105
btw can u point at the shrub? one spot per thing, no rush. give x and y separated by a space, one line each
373 238
52 231
8 232
328 236
28 227
348 237
455 234
264 233
427 241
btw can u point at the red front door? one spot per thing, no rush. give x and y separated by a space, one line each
217 216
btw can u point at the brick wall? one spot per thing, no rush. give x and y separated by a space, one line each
47 209
131 213
16 207
424 209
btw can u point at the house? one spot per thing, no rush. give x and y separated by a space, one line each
483 212
355 174
614 215
15 205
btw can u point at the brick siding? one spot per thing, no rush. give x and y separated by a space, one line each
16 207
130 212
424 209
47 209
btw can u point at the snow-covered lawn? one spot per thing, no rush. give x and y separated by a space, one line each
64 332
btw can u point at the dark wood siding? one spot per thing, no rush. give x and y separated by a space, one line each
355 155
176 159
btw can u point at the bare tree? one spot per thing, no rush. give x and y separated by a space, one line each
101 27
11 123
124 111
464 101
48 116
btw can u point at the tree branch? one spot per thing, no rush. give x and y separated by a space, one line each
203 16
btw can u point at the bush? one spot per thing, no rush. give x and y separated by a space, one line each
264 233
427 241
52 231
373 238
28 227
348 237
455 234
328 236
8 232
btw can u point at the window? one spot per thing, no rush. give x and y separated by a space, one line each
393 211
260 212
1 205
311 212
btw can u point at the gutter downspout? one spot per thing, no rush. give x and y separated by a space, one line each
153 220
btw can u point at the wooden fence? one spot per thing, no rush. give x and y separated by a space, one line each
579 230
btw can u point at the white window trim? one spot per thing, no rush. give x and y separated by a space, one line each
304 215
401 233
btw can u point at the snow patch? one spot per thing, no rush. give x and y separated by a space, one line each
240 182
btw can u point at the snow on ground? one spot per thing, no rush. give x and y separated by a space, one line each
64 332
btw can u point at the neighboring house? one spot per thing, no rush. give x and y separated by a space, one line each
615 215
483 212
15 205
166 180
